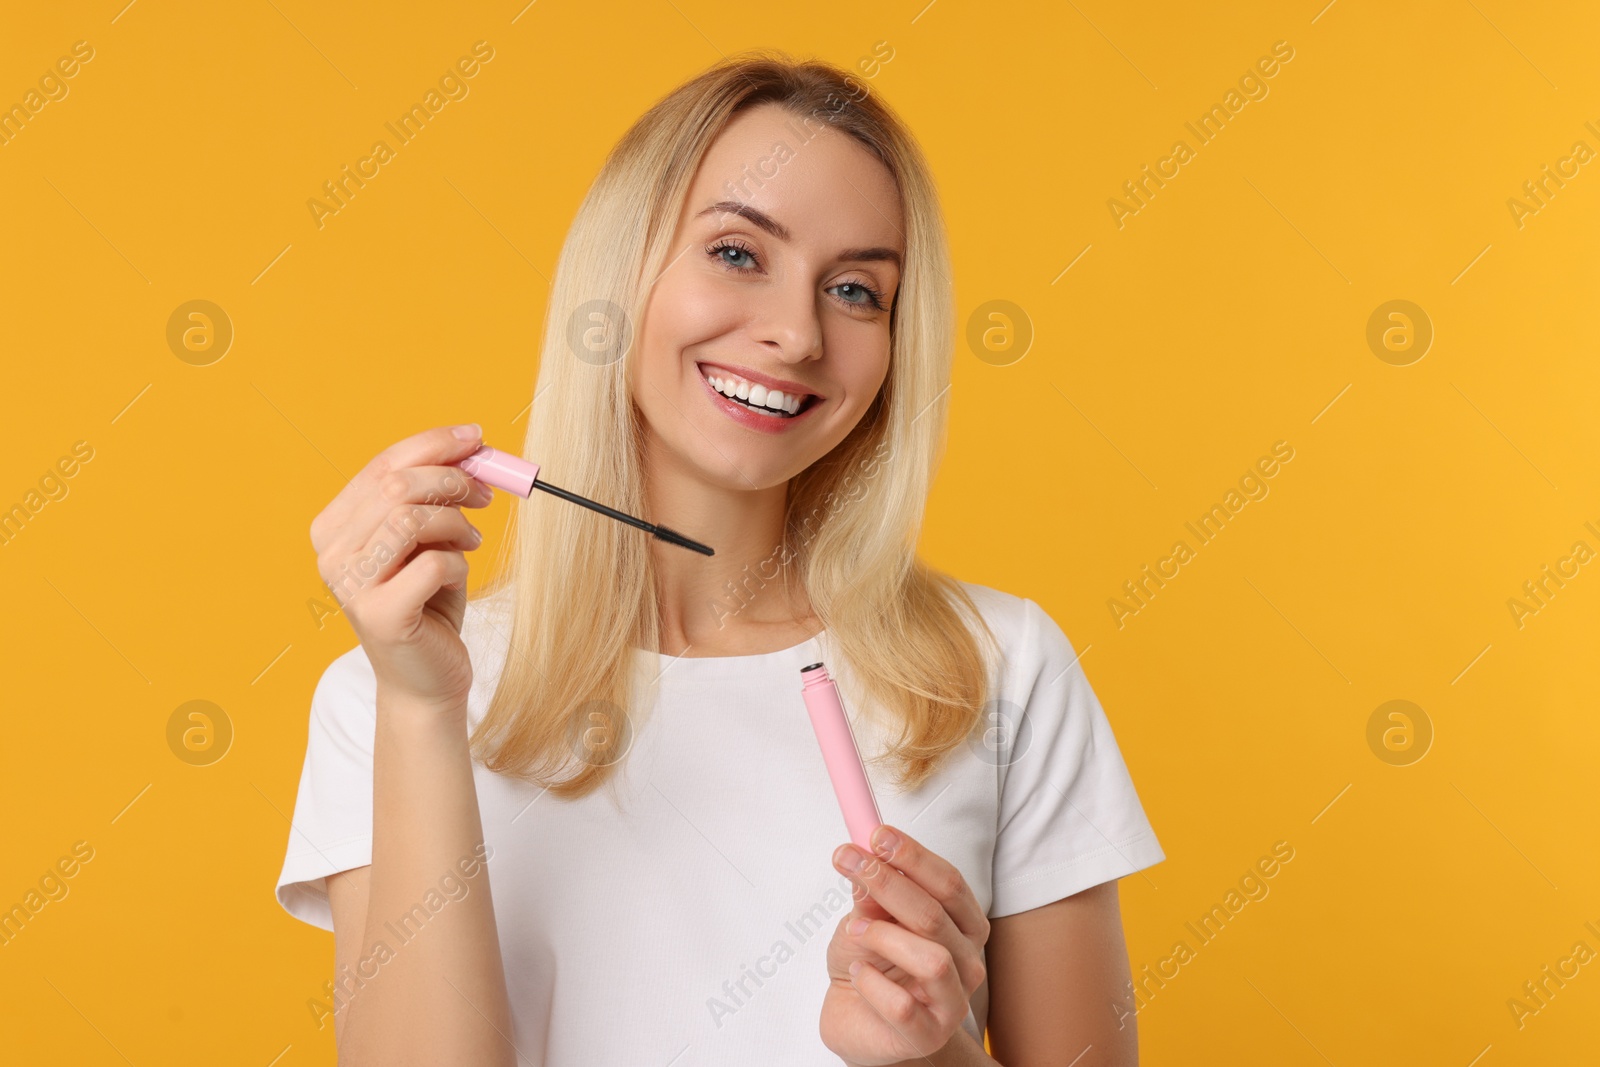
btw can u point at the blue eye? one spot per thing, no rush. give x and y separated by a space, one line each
872 298
716 251
719 249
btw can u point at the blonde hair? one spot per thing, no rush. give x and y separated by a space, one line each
900 634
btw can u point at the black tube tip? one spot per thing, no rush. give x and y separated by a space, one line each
813 667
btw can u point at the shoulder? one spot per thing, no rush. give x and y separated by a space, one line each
347 692
1033 647
1003 611
1017 622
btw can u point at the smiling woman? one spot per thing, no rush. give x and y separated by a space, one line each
783 397
755 296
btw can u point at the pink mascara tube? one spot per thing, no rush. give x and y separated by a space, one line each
840 753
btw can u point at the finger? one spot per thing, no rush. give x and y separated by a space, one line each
906 901
442 445
409 526
844 949
433 486
432 570
438 484
914 908
910 1019
938 876
928 962
864 906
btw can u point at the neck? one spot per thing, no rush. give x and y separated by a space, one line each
745 527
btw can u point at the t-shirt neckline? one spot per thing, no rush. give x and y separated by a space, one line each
753 657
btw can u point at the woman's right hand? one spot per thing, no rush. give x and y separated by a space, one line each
391 547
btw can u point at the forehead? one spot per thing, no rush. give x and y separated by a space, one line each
826 187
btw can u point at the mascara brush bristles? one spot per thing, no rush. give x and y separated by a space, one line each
676 538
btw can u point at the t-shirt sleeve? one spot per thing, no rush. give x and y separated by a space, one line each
1070 817
331 829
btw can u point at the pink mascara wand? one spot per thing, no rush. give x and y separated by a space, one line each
516 475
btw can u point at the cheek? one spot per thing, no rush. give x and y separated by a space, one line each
863 363
686 308
658 340
683 312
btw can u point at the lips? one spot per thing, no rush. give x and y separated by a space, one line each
750 417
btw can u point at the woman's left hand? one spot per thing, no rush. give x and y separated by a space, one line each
915 942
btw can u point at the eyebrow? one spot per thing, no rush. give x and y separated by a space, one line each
781 232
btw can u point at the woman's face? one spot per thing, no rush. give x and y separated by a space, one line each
784 265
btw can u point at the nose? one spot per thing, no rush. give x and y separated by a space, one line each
786 321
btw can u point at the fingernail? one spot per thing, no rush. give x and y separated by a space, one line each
470 432
854 967
477 538
858 927
885 841
850 858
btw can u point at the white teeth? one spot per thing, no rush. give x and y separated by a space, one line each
757 396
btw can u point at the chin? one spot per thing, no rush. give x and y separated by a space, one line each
748 468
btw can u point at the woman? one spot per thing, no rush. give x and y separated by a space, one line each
772 232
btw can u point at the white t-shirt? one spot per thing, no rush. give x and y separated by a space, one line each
691 926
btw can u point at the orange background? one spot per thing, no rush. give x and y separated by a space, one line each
1229 313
